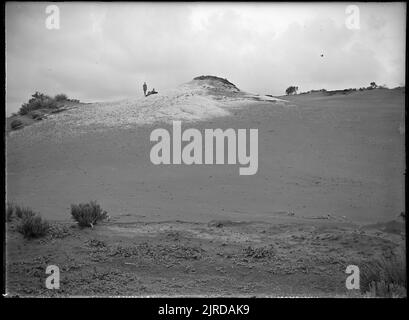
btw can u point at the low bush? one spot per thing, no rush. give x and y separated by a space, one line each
33 227
49 104
29 223
23 212
88 214
36 115
61 97
38 101
16 124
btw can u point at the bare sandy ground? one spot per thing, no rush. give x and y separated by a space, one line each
328 166
221 258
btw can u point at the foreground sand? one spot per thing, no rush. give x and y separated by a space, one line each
290 257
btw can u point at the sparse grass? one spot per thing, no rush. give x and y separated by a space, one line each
385 277
33 227
88 214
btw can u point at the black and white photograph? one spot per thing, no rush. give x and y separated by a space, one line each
205 150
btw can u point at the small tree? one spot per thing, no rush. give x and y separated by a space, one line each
291 90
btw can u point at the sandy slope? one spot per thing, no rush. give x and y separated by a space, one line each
341 155
193 101
334 162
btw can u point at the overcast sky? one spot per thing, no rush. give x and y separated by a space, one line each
105 51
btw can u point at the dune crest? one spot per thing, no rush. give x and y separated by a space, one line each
199 99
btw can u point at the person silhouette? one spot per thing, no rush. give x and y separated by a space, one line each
145 87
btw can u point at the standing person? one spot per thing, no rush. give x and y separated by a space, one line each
145 87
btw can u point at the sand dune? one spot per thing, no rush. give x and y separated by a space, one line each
196 100
339 155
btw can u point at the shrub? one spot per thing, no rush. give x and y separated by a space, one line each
49 104
33 227
61 97
36 115
385 277
24 109
16 124
22 212
40 96
88 214
291 90
38 101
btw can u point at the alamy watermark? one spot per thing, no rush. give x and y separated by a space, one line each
201 150
352 281
52 20
352 20
53 280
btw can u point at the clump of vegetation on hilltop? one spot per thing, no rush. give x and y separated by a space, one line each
42 101
214 78
293 90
